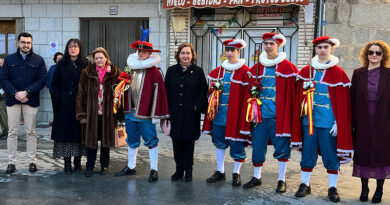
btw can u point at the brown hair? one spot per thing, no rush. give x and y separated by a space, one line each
183 45
385 50
100 50
55 56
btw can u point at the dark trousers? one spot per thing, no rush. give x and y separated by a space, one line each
104 151
183 152
104 157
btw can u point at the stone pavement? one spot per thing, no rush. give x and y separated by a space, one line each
50 186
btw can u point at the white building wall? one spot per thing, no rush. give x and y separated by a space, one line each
58 21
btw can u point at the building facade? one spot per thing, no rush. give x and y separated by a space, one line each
114 24
355 23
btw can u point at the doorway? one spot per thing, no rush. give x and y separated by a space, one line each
115 35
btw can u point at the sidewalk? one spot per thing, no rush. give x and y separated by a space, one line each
50 186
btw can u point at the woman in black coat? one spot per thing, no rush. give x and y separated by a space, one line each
187 88
66 128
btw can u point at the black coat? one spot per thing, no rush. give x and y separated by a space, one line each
65 82
187 99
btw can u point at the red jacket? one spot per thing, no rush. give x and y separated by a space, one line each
338 87
285 75
153 101
239 92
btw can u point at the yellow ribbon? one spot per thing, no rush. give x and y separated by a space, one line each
307 107
212 108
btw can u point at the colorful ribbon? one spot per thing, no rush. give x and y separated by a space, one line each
212 108
124 80
253 112
307 107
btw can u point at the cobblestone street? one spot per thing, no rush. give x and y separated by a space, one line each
50 186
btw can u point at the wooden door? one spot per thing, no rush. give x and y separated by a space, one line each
115 35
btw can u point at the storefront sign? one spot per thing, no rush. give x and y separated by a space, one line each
170 4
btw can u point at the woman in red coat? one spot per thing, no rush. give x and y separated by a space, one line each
370 102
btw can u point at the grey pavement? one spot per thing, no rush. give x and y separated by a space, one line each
51 186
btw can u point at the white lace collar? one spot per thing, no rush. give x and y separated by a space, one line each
134 63
272 62
232 67
317 65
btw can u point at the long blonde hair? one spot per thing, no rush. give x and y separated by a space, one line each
385 50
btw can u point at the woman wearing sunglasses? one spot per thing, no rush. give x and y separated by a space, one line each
370 100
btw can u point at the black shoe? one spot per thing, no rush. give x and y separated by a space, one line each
236 179
333 195
10 169
67 166
103 171
153 176
89 172
188 175
77 164
303 190
4 135
281 188
32 168
125 171
252 183
364 195
178 175
377 198
217 176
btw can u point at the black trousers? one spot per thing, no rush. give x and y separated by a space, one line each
104 151
183 152
104 157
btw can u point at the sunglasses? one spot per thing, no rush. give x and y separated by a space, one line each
378 53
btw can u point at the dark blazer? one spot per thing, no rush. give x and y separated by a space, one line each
64 86
187 99
370 150
23 75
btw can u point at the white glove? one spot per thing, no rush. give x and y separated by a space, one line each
155 121
333 131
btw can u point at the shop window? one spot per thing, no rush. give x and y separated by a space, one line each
210 28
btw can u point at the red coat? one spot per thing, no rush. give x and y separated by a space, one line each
153 101
338 87
285 84
239 93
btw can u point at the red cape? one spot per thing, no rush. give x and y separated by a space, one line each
239 93
338 86
285 84
153 101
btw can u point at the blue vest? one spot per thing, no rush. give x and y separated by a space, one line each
323 116
268 93
220 117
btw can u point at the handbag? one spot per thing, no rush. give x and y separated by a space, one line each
120 136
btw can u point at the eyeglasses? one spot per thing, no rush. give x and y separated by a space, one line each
378 53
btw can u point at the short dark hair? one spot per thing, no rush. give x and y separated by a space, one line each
2 55
24 34
57 54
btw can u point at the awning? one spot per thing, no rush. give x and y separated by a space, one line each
171 4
